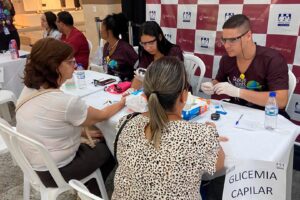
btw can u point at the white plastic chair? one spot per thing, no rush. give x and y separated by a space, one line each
3 147
82 190
5 97
192 63
292 86
136 49
13 140
90 45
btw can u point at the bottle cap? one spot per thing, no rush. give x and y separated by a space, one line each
79 66
272 94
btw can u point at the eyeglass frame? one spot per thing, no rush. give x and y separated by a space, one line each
149 43
71 62
232 40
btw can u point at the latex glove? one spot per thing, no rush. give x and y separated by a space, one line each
140 74
207 88
127 92
227 88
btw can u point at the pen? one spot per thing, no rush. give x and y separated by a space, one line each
237 122
222 108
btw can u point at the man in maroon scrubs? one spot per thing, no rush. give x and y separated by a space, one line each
73 37
248 72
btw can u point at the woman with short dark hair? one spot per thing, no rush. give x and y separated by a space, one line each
54 118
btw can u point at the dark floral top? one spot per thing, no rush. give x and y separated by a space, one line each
6 17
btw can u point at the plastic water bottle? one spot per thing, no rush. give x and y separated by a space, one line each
271 112
13 49
80 74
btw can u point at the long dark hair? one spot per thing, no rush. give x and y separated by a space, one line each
51 20
42 64
153 29
118 24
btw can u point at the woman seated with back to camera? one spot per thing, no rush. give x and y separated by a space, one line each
153 45
118 54
161 156
55 118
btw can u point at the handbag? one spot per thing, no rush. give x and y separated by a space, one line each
129 117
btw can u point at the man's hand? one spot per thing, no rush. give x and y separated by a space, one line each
227 88
207 88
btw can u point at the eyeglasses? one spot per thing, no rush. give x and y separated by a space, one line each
232 40
71 62
149 43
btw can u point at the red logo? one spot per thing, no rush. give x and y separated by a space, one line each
207 17
168 16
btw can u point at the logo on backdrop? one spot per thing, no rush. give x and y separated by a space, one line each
152 15
187 15
228 15
168 36
284 19
204 42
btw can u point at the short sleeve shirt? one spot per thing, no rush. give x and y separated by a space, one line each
80 46
146 59
53 119
267 72
125 58
173 171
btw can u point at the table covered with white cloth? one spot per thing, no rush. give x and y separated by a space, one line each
13 71
90 88
243 144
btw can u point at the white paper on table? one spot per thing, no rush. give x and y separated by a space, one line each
1 75
247 125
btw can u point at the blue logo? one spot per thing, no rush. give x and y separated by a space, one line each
204 42
152 15
168 36
187 15
284 19
228 15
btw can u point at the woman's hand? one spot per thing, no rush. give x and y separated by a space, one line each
223 139
128 91
210 124
123 101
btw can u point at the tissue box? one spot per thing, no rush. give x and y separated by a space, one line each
194 107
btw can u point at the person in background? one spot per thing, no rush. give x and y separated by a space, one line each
56 119
249 72
63 4
48 23
118 54
161 156
77 4
153 45
74 37
7 29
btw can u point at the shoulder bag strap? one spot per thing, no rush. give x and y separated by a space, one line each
129 117
36 94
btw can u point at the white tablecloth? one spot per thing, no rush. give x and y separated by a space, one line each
260 144
90 87
13 72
